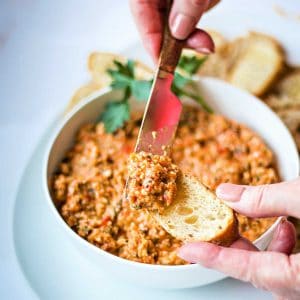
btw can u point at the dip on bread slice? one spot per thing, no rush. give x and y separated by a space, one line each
196 214
183 206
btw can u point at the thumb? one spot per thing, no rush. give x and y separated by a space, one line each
267 270
263 201
185 15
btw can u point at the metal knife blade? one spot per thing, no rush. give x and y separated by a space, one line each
163 108
161 117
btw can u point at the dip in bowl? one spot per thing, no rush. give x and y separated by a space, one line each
119 245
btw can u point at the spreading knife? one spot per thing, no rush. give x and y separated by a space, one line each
163 108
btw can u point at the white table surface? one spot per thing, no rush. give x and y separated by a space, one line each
43 51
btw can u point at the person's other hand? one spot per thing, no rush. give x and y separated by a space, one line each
275 270
184 16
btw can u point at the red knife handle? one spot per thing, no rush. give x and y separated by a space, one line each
171 47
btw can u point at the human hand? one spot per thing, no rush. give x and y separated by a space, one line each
276 272
184 16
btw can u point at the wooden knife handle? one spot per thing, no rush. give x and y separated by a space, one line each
171 47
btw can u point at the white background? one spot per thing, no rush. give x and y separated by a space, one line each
43 51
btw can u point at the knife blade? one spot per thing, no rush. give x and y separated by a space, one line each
163 108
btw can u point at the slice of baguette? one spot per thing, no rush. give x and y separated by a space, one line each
289 86
280 102
291 118
258 64
198 215
100 62
219 40
83 92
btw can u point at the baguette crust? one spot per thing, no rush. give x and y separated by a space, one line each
100 62
228 236
258 63
198 215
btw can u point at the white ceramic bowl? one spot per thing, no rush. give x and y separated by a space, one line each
225 99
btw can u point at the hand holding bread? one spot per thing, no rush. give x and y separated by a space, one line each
275 270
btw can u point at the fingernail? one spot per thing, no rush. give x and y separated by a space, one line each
283 220
279 232
204 50
230 192
181 25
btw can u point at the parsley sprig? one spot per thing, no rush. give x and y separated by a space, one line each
191 64
117 112
123 77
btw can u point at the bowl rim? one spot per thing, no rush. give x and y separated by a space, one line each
51 140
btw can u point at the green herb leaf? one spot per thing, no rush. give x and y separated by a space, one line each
191 64
127 94
119 80
199 100
123 75
125 69
141 89
130 67
179 88
115 115
180 81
